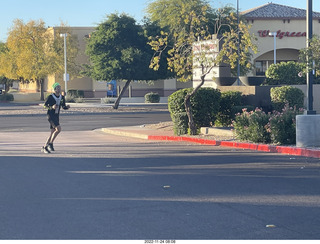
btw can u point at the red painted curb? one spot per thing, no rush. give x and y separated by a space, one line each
165 138
243 145
314 153
182 138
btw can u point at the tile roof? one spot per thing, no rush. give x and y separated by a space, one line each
274 11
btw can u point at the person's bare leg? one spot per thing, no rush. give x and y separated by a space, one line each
55 133
49 138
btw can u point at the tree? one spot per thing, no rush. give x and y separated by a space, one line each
30 50
4 80
186 22
312 53
7 82
118 50
32 53
7 65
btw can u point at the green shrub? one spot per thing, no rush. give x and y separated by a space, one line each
6 97
72 99
252 126
177 112
204 105
285 73
107 100
286 94
228 101
180 123
282 125
75 96
75 93
152 97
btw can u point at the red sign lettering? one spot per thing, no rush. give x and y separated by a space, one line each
281 34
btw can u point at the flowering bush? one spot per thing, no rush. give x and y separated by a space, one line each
276 127
251 126
282 125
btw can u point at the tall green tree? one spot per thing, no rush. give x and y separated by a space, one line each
118 50
186 22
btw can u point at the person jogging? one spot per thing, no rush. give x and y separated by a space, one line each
53 104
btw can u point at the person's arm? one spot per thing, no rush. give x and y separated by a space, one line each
49 104
63 105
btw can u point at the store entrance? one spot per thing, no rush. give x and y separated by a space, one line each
263 62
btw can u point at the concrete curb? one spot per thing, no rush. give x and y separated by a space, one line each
314 153
296 151
120 132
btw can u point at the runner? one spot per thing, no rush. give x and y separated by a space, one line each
53 103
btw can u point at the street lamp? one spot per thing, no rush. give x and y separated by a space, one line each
274 34
309 74
65 76
238 62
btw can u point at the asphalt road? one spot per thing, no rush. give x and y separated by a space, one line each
100 186
78 120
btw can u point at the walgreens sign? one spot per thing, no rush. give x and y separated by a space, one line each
281 34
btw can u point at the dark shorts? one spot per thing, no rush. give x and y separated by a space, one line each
54 121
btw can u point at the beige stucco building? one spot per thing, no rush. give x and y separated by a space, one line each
85 83
290 26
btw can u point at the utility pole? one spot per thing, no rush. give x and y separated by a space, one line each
238 62
309 63
65 76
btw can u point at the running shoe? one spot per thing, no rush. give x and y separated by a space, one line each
45 149
50 145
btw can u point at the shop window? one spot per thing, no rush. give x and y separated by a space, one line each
261 67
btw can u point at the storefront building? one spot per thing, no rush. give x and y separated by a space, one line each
289 26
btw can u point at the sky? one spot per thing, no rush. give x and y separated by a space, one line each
92 12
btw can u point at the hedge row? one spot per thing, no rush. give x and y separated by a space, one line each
211 107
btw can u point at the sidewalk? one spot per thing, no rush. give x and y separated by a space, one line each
142 132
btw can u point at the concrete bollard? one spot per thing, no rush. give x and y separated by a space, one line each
308 130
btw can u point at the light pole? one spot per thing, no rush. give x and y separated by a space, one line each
238 62
309 74
274 34
65 76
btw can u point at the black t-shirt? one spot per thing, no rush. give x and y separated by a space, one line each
51 101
